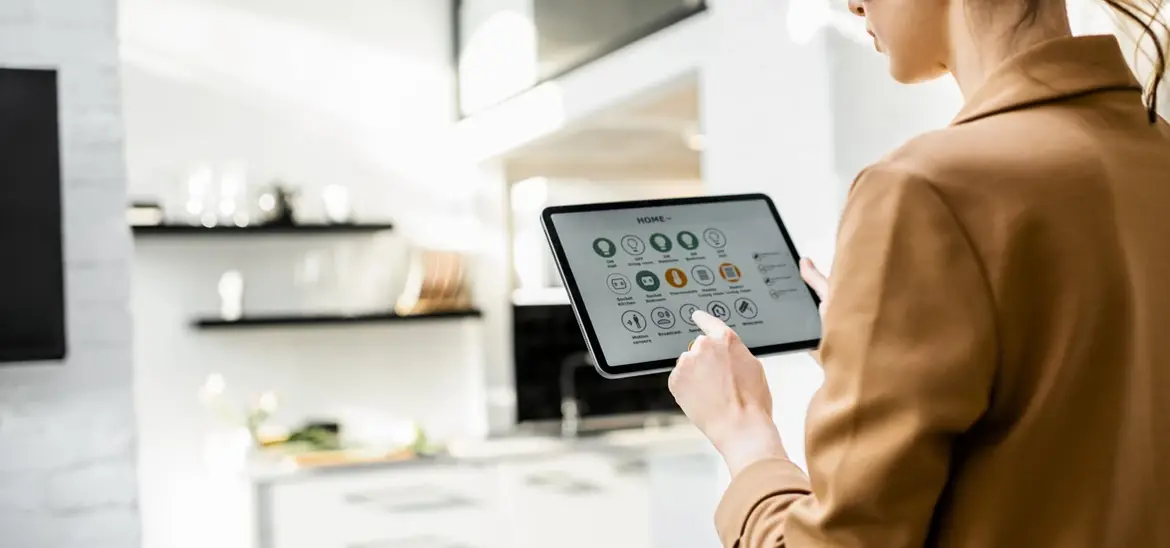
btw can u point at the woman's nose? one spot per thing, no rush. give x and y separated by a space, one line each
857 7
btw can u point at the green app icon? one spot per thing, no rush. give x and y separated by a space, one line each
688 240
661 242
604 247
648 281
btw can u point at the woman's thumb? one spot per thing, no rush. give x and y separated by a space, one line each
813 277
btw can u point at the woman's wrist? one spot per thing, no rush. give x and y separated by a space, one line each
749 438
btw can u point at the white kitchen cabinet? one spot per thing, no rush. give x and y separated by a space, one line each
434 506
578 501
620 497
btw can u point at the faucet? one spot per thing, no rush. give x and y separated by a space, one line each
570 407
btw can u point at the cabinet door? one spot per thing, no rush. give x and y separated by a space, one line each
408 507
578 501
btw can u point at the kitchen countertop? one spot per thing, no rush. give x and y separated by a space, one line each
663 439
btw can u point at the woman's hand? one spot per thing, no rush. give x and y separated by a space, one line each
721 387
817 281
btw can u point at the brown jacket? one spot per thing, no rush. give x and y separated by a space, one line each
997 347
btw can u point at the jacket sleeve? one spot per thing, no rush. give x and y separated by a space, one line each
909 356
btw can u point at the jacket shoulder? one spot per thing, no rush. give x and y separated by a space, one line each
985 152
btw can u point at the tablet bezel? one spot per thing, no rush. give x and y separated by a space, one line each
582 314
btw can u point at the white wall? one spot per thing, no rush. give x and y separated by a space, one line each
358 93
355 92
67 469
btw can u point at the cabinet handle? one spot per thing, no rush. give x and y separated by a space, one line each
562 482
635 466
422 498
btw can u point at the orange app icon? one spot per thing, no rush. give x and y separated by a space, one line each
729 272
676 277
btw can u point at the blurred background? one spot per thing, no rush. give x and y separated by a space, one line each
273 274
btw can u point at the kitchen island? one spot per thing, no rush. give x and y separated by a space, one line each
640 488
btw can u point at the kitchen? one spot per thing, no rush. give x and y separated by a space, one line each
333 342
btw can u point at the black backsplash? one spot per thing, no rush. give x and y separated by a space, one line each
546 337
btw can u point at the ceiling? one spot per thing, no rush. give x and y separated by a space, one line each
646 138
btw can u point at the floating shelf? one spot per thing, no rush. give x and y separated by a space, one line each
309 320
258 230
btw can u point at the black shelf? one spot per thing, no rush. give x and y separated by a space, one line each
309 320
258 230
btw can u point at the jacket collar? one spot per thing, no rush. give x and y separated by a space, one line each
1049 71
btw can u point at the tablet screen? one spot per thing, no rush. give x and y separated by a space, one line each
642 272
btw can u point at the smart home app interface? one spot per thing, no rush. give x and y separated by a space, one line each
643 272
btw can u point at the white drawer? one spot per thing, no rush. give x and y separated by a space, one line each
579 501
444 506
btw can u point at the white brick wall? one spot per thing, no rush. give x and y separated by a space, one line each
67 435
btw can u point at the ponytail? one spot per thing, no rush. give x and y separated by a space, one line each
1148 17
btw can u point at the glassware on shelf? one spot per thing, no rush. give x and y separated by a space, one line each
231 295
198 187
232 207
275 205
337 205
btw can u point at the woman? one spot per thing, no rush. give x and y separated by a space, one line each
996 353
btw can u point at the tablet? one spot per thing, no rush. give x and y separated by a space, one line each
636 272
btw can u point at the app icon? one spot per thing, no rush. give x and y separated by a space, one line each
633 245
729 272
715 238
662 317
746 308
688 240
648 281
719 310
618 284
703 275
661 242
604 247
676 277
687 312
634 321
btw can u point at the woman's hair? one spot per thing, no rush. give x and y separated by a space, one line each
1147 16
